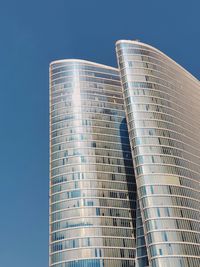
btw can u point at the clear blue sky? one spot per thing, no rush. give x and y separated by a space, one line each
33 33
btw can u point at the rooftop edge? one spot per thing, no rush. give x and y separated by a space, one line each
83 61
160 52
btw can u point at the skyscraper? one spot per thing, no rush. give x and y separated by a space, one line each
162 104
101 214
92 185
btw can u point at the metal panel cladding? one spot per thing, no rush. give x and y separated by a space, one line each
162 104
92 186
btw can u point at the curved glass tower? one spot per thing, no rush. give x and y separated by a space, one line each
162 104
92 187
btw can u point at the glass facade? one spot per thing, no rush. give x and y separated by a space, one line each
162 105
92 184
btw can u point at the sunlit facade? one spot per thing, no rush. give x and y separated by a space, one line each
162 105
101 214
92 185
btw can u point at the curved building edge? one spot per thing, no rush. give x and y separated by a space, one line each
160 52
73 60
